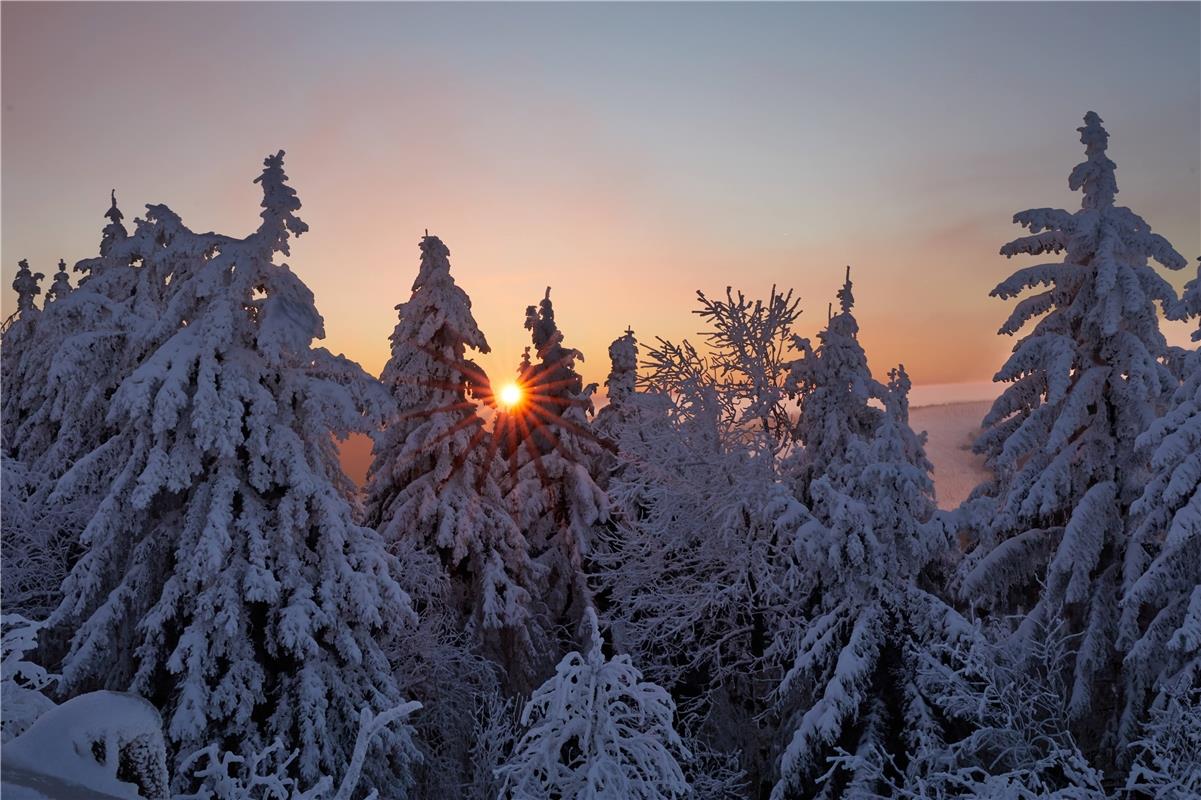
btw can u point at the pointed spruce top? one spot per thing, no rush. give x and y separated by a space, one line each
899 385
114 231
114 214
26 286
623 372
435 262
279 205
1095 175
844 323
846 300
540 321
61 287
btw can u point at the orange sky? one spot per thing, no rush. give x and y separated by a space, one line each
625 155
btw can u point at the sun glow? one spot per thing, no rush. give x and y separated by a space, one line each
510 395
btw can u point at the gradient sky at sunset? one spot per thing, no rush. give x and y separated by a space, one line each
626 155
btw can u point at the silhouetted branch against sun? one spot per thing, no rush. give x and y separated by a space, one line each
464 405
475 380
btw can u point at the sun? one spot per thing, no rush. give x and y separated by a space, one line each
510 395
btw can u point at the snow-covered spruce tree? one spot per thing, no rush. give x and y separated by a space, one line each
553 459
832 386
17 482
57 389
224 578
631 424
431 486
864 615
1161 607
621 384
1051 529
596 730
17 342
23 683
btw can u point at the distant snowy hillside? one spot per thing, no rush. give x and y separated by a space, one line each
950 429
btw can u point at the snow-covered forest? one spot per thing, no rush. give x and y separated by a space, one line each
729 579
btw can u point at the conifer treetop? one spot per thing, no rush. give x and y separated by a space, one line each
1095 175
61 287
846 300
555 374
444 296
279 204
114 231
26 286
623 375
540 321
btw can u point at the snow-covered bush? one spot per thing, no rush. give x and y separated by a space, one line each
1167 758
596 730
444 670
495 733
22 682
108 742
38 541
689 568
265 774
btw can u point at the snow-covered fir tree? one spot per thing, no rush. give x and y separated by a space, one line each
56 401
623 375
57 390
865 614
630 424
433 487
596 731
224 578
832 385
620 385
1052 528
1161 606
553 459
16 346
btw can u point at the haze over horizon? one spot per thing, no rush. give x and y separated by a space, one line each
749 145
